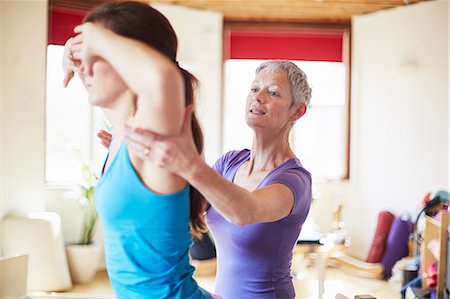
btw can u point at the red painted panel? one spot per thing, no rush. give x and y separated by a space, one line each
285 45
61 24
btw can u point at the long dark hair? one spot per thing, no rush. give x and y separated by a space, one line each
142 22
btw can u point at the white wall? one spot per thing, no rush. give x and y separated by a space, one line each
399 135
23 42
199 35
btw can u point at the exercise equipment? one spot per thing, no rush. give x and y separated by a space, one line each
358 267
396 247
385 219
396 244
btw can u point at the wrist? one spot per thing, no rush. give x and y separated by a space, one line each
195 170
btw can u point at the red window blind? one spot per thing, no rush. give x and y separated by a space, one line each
284 45
61 22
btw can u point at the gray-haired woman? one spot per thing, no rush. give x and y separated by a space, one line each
260 197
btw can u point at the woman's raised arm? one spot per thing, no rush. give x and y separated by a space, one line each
156 81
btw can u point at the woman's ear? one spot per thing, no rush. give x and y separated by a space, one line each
301 110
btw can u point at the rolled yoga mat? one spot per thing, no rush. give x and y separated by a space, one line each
385 219
396 244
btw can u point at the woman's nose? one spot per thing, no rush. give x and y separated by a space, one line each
259 97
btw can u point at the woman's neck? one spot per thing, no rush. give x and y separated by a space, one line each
269 152
122 112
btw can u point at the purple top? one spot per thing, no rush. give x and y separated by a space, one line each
254 260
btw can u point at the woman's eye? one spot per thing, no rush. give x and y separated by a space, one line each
253 89
273 93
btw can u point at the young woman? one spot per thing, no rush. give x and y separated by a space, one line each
260 197
125 54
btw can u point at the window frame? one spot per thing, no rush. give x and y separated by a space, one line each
299 27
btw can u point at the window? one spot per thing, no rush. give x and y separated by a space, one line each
320 137
71 125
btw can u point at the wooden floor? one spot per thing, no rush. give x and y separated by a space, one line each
305 282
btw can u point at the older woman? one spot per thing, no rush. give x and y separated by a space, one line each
260 197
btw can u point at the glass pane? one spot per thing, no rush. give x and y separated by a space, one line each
319 142
68 123
239 75
320 137
327 80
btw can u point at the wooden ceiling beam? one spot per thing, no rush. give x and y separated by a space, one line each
323 11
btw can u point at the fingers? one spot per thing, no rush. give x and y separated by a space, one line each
78 29
105 143
142 152
68 42
86 67
139 140
67 77
68 73
143 146
104 133
155 155
105 138
80 49
77 39
70 64
141 136
72 45
149 146
66 55
76 48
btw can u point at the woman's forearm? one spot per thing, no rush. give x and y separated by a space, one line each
140 66
234 203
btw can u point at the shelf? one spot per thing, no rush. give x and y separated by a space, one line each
435 230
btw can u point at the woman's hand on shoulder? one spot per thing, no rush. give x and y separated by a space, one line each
177 154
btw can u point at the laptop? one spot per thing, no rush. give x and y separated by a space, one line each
13 277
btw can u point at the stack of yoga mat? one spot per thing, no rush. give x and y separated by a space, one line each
390 244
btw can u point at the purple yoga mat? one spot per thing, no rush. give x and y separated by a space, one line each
396 244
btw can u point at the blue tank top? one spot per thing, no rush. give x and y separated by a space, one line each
146 235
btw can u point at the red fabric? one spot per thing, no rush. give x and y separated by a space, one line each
431 276
425 199
61 22
377 248
285 45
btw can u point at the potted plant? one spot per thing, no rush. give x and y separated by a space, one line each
90 216
83 256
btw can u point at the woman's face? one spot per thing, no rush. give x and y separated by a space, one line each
104 86
269 101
